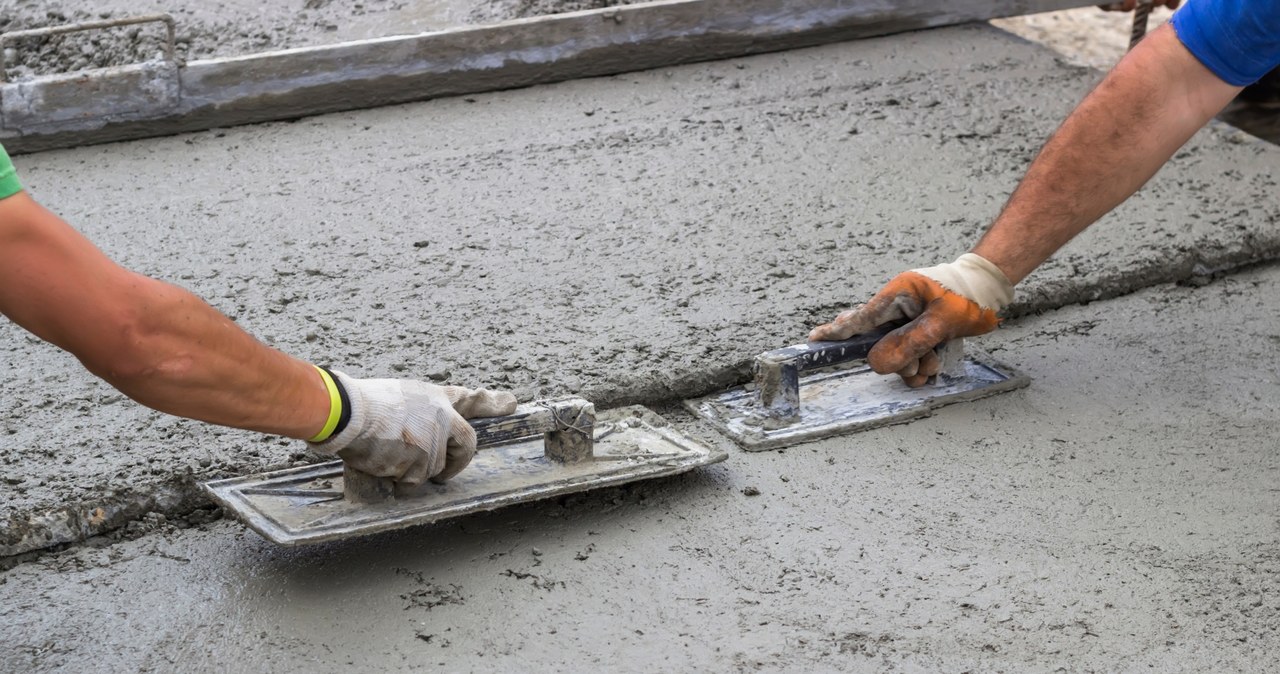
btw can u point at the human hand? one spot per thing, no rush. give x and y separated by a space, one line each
942 303
412 431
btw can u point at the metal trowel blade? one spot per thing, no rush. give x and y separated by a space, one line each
851 397
305 505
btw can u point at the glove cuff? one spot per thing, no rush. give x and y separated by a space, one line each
976 278
352 399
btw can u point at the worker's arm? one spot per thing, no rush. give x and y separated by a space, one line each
1115 140
156 343
1154 100
169 350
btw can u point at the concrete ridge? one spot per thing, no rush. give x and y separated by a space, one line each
38 530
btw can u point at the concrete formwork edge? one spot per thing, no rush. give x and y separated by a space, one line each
145 100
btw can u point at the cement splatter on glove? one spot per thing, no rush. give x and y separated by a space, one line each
942 303
409 430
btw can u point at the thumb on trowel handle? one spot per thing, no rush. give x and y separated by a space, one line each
812 355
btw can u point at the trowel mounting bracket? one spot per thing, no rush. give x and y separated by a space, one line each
567 427
777 373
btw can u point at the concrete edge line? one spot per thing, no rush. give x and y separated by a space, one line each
164 98
41 529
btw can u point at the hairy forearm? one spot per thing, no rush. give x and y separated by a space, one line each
178 355
1116 139
155 342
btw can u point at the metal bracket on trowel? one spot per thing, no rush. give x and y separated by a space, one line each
841 394
543 450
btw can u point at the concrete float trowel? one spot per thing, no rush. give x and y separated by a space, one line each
542 450
819 389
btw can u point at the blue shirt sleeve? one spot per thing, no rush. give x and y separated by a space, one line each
1239 40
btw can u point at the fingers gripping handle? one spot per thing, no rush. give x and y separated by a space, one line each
777 373
567 427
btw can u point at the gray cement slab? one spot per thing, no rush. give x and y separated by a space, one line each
1118 515
631 239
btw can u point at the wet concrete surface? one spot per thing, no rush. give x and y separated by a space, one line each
1117 515
632 238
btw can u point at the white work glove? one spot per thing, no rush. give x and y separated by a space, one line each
942 303
411 431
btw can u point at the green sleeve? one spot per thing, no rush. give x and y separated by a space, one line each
9 183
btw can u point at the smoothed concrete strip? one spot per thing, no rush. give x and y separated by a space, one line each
71 523
630 239
145 100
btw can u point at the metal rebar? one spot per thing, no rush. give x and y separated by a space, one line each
1140 14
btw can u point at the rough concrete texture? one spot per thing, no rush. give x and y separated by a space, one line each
629 239
236 27
1118 515
503 10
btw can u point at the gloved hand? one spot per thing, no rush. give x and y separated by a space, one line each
411 431
942 303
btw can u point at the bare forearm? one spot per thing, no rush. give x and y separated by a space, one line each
155 342
183 357
1155 99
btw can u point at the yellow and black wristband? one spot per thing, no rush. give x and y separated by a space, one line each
339 406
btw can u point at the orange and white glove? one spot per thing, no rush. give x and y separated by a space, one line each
407 430
942 303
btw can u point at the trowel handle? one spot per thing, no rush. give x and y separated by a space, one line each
567 427
778 372
811 355
532 419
